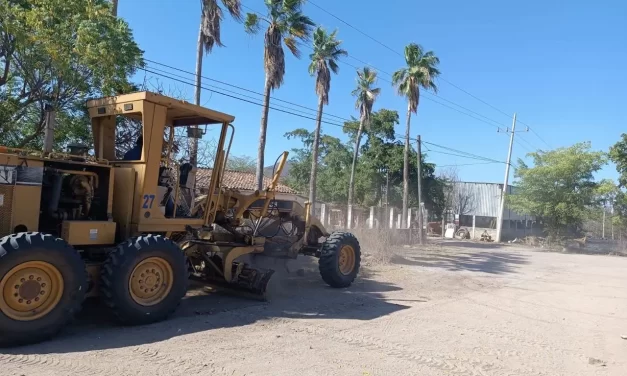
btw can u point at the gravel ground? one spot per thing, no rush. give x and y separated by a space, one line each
453 308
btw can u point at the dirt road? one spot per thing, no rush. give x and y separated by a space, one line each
456 309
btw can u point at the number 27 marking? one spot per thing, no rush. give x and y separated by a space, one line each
148 200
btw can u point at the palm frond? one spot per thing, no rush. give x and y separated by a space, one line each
210 24
287 25
211 17
334 67
252 24
365 93
399 76
292 45
234 7
326 50
420 72
274 57
292 6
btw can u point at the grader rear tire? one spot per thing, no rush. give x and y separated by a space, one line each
340 259
144 279
42 286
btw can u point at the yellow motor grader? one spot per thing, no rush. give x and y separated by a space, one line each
132 231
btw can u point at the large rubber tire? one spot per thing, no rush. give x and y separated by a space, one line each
117 272
330 255
25 247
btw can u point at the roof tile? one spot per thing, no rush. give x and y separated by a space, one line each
238 180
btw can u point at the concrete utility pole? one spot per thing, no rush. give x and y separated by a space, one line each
420 240
499 222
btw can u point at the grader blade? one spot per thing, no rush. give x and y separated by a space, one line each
249 283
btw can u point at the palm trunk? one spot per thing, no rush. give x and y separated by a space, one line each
193 142
115 8
351 182
262 135
406 170
314 158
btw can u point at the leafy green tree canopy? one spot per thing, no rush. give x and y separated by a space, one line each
559 187
58 53
380 161
618 155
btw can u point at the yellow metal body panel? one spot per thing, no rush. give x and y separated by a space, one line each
6 209
88 232
178 110
19 200
123 196
26 204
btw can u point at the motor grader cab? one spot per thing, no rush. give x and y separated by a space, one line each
132 231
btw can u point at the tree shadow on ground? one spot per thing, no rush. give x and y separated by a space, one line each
492 262
207 308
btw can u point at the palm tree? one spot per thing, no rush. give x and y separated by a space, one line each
420 72
209 36
366 95
286 25
326 52
114 8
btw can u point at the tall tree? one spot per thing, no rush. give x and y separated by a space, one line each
326 52
560 187
366 95
618 155
59 53
420 72
286 25
114 8
209 36
381 158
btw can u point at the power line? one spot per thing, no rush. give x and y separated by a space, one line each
430 95
238 98
354 28
537 135
244 89
467 154
461 153
465 164
441 78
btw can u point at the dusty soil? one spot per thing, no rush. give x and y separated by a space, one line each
456 308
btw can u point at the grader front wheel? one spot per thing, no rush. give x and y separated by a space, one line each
144 279
42 285
340 259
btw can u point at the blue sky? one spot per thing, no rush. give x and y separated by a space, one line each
560 65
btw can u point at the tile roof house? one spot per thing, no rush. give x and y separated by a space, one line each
244 181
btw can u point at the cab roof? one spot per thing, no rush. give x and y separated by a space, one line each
181 112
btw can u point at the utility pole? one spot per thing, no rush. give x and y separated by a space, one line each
50 121
192 132
420 239
603 228
499 222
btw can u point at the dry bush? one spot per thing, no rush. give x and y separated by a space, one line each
377 245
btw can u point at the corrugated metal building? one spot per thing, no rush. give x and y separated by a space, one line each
485 199
482 200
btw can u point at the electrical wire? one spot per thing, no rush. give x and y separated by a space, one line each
441 78
425 94
462 154
465 164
